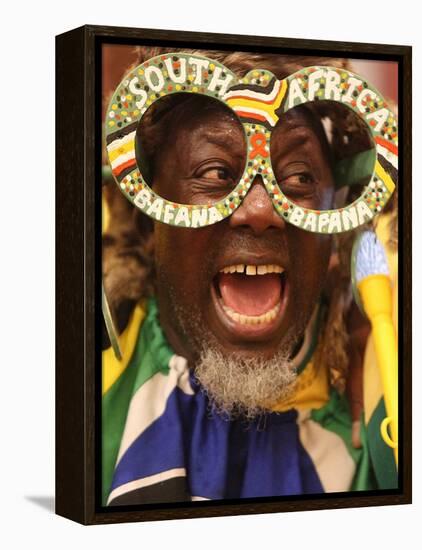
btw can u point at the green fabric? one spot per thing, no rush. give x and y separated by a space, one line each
314 340
364 479
335 416
151 355
381 454
354 170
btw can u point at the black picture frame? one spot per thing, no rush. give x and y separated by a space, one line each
78 272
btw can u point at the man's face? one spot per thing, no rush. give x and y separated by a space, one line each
248 284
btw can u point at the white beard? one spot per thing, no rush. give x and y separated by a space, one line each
248 387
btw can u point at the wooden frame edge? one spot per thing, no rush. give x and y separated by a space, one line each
76 222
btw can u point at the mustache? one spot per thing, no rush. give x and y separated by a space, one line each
245 243
269 242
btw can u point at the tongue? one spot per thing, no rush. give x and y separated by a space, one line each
250 294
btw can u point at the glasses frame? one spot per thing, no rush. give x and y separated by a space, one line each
257 100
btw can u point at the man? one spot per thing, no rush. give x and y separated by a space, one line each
223 390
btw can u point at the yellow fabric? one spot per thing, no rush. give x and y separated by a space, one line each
372 386
311 390
112 368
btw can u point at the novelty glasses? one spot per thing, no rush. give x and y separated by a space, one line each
257 103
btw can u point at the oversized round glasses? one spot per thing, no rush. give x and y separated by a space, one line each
258 102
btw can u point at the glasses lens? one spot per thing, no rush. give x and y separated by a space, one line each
322 155
190 149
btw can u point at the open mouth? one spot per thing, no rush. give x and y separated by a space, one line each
250 298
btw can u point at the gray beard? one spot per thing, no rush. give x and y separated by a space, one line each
238 386
244 387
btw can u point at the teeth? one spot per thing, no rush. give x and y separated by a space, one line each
253 269
252 319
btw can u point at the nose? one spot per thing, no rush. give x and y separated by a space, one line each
257 211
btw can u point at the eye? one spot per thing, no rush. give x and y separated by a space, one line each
216 173
215 176
298 185
298 179
212 180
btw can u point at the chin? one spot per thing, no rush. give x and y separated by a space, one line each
246 385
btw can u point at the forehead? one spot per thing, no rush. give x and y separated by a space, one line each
208 119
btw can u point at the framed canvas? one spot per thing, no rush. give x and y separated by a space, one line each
233 274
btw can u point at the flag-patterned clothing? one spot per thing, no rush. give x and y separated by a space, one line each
163 442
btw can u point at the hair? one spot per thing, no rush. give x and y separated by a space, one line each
128 266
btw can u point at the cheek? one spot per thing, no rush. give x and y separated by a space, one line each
310 254
170 257
182 259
